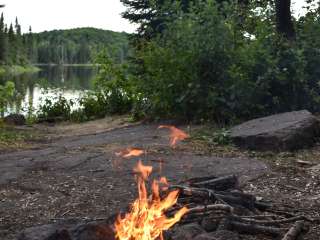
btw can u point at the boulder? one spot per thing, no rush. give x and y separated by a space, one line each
15 119
280 132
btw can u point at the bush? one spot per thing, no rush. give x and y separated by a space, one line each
213 63
57 108
93 106
6 92
112 87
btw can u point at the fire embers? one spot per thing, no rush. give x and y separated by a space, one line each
130 152
176 134
147 219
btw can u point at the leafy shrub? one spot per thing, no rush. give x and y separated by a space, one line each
57 108
93 106
6 92
212 63
112 86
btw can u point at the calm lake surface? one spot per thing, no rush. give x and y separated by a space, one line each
33 88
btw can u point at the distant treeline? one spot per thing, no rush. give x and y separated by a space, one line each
15 48
75 46
79 45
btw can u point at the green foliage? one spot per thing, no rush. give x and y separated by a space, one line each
79 46
203 61
213 63
57 108
6 92
12 44
213 136
113 85
93 106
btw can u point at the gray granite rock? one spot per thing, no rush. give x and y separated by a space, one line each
280 132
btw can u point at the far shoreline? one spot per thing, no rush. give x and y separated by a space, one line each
65 64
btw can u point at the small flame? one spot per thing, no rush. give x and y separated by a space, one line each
175 134
146 220
130 152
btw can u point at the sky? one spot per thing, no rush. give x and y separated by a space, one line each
65 14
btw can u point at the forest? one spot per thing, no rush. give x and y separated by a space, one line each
15 48
79 46
197 60
75 46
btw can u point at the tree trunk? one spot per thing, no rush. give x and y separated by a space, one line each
284 19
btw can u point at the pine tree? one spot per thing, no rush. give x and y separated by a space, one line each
145 13
3 42
12 46
20 51
30 47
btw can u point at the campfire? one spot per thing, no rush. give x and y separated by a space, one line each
147 219
202 208
218 200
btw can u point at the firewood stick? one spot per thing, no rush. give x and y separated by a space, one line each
221 183
198 179
236 198
201 192
294 231
270 222
215 207
254 229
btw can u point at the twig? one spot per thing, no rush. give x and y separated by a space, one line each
213 207
271 222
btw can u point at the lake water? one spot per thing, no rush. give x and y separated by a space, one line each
33 88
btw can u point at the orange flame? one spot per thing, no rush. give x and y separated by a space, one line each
175 134
130 152
146 220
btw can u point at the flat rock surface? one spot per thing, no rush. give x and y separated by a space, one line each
82 177
286 131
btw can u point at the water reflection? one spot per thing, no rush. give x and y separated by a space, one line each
32 89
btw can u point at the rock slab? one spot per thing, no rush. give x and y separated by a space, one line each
281 132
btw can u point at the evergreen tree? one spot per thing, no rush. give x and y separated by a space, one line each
3 42
30 46
12 45
151 14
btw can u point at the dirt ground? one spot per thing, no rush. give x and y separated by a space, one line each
72 172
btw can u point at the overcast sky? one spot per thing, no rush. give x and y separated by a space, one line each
63 14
